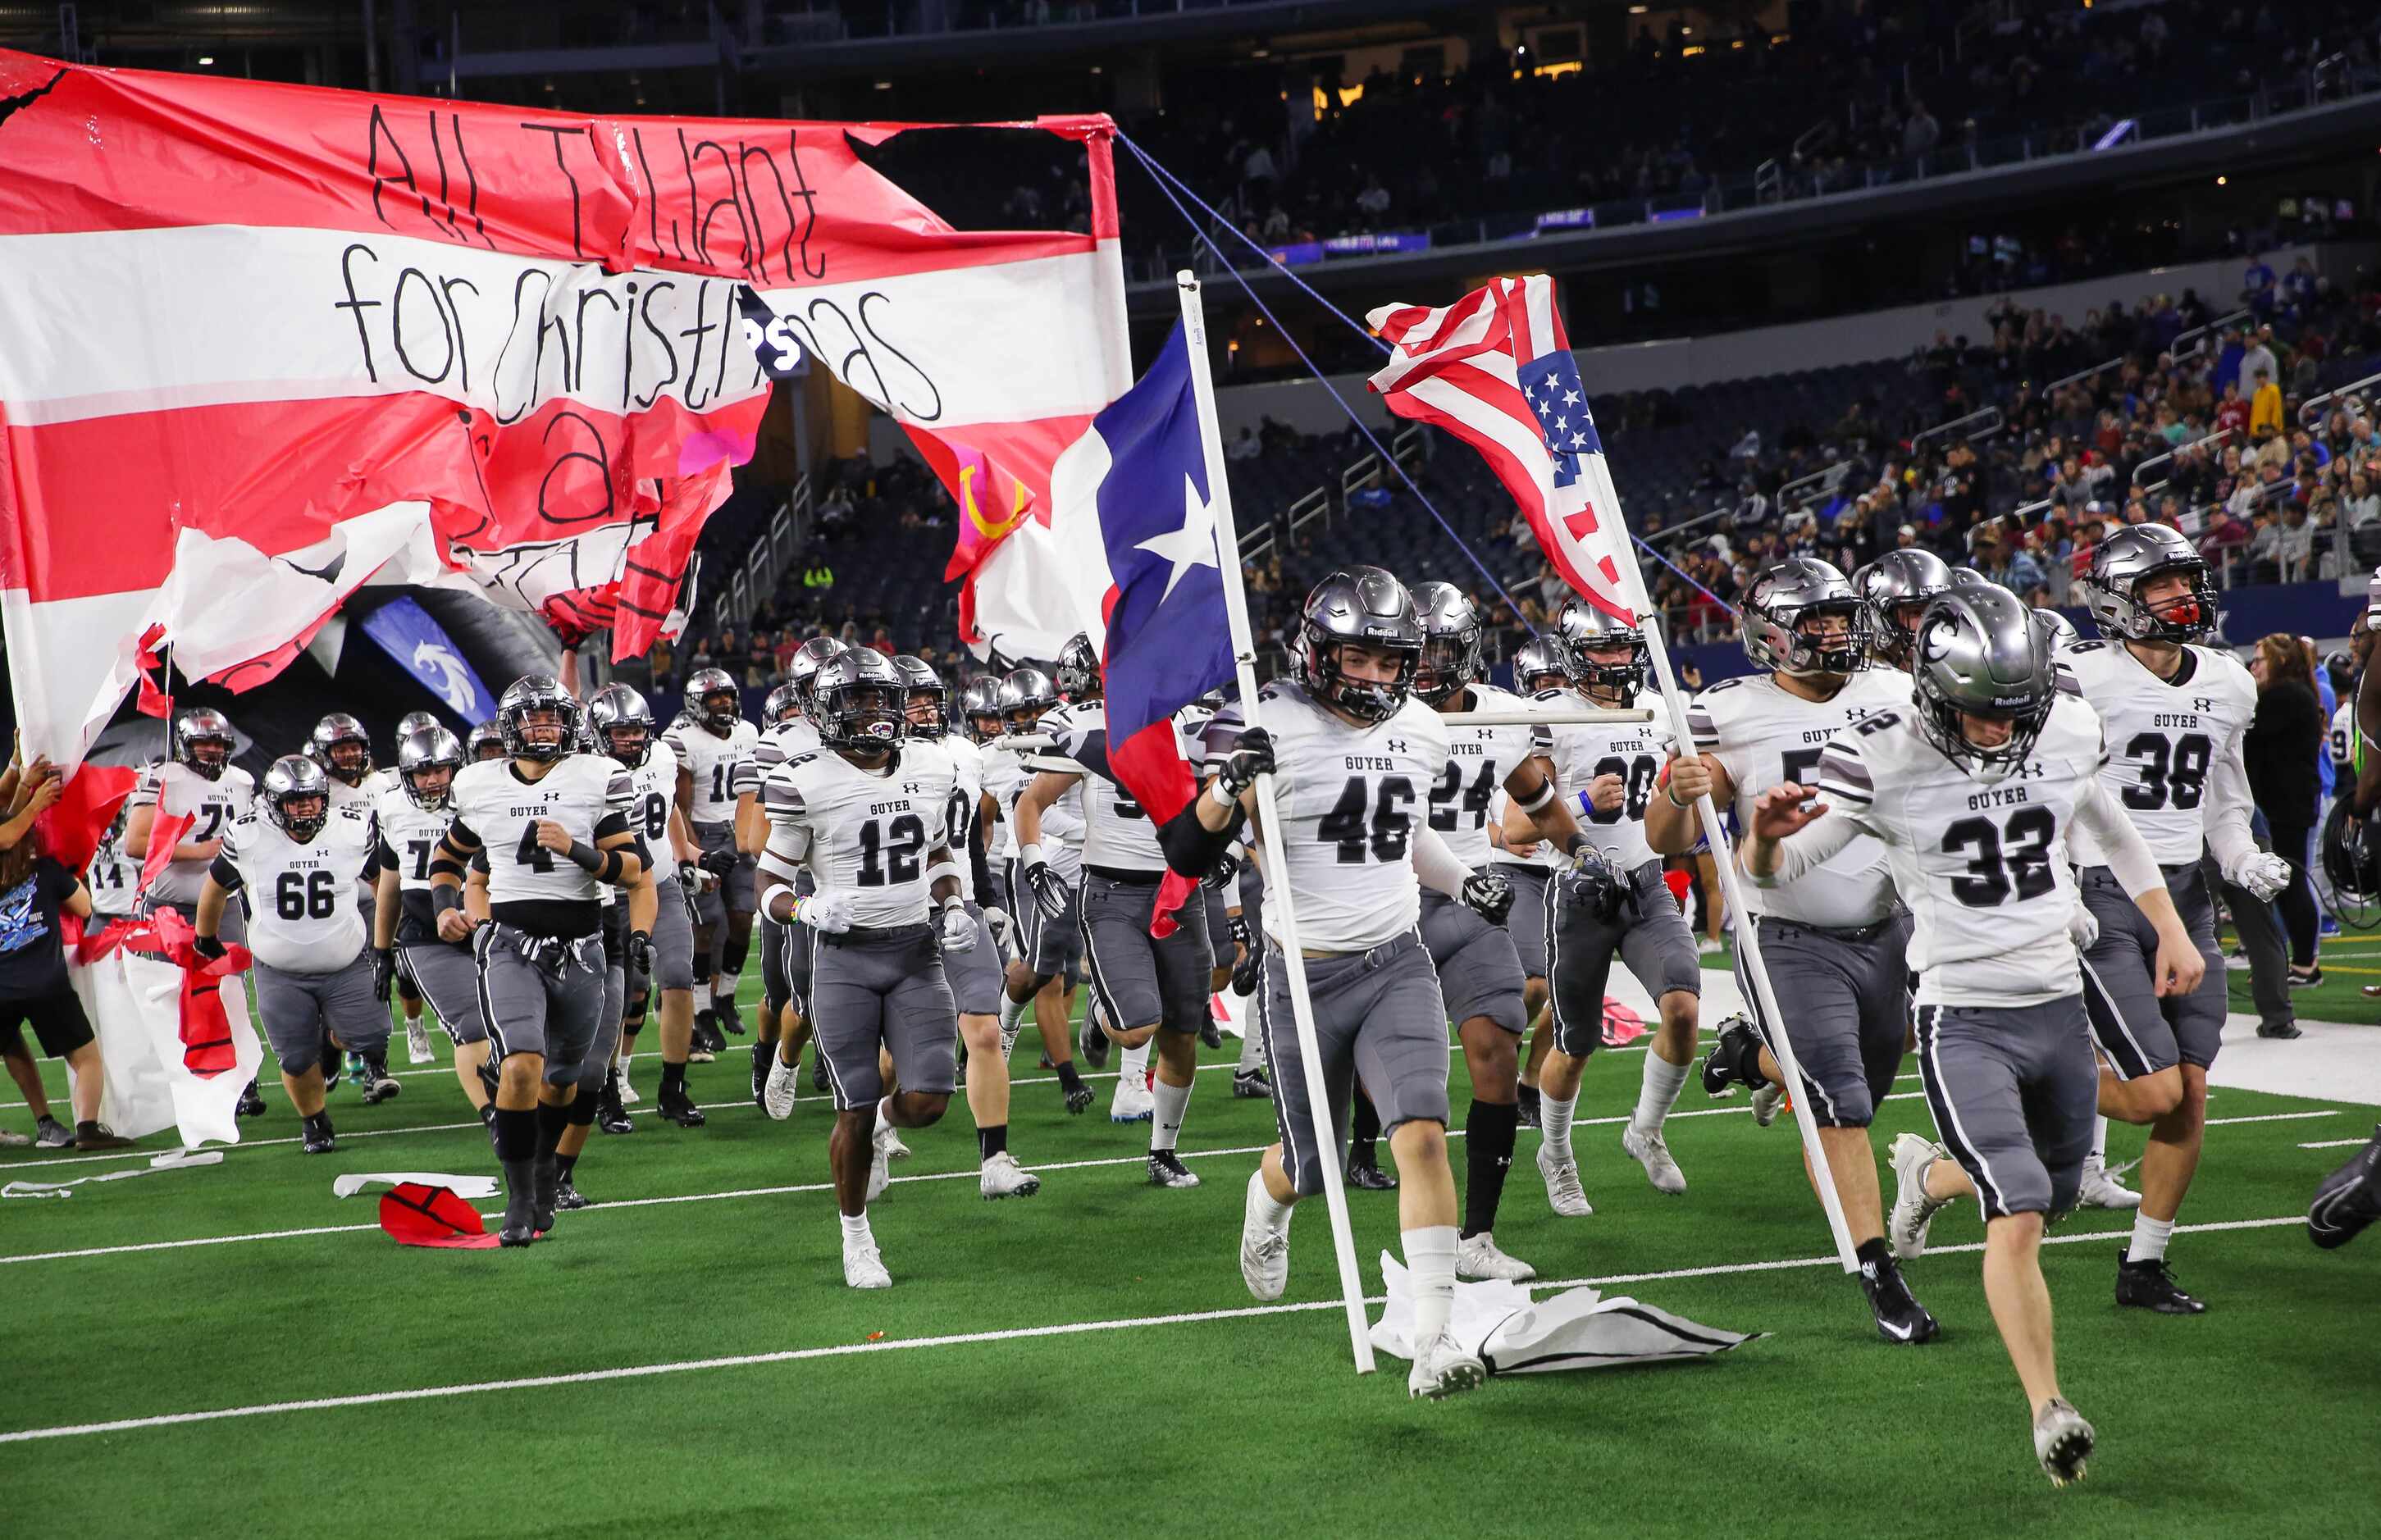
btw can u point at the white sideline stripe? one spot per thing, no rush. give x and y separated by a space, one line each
2334 1144
1069 1328
2273 1118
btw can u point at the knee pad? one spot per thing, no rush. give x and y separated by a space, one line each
581 1110
740 942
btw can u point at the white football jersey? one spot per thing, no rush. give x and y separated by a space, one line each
1983 865
409 836
1765 736
1635 752
1544 856
1005 779
655 787
1350 800
966 792
865 833
771 747
301 898
113 878
1116 833
2342 741
2167 740
174 789
495 805
710 760
1463 792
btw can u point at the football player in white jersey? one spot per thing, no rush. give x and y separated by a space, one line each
865 816
786 731
1615 905
1353 756
1150 989
1834 945
1048 948
1975 792
483 742
341 746
623 728
1541 673
412 820
388 781
554 825
708 746
113 876
300 859
1479 971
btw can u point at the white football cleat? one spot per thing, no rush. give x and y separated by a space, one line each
1264 1250
416 1040
884 1146
1476 1256
1132 1103
1653 1152
1563 1191
2102 1190
777 1093
1766 1100
863 1266
1003 1177
2062 1441
629 1097
1913 1211
1441 1369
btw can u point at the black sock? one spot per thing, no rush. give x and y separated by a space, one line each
992 1141
563 1165
1488 1136
515 1134
673 1077
1069 1077
1873 1253
87 1129
1529 1097
488 1116
551 1121
581 1110
1365 1129
733 954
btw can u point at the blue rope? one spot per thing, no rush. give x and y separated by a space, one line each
1378 449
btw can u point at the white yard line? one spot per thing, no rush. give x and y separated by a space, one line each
2333 1144
1069 1328
2273 1118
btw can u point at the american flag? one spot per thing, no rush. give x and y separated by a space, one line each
1496 370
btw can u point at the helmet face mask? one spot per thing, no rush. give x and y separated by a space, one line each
2148 583
1076 675
1025 696
1601 657
340 746
1364 613
925 701
297 797
202 741
1894 591
713 700
1450 643
428 754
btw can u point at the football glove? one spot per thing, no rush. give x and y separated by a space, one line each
2262 874
640 953
1051 894
719 863
208 947
998 921
383 964
1226 871
1250 758
1248 975
958 929
2083 926
1595 884
1490 896
825 911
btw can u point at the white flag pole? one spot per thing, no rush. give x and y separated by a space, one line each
1632 587
1280 907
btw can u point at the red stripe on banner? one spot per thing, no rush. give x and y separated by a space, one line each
775 203
1150 764
70 830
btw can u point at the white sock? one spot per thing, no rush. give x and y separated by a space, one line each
855 1230
1275 1213
723 986
1251 1053
625 1060
1132 1064
2149 1237
1166 1124
884 1113
1656 1095
2099 1143
1012 1012
1553 1120
1430 1262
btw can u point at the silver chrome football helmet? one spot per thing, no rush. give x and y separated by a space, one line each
980 704
1076 672
1368 606
809 658
2129 558
1790 595
336 731
859 697
918 677
427 749
2062 630
294 777
1450 641
615 713
1582 629
783 705
1981 653
537 694
1893 590
1025 696
203 725
1538 667
712 699
483 737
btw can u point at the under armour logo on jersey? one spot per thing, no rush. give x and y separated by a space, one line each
2201 702
912 789
1396 745
2030 771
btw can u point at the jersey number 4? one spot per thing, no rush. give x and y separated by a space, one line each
306 896
2011 858
894 858
1389 824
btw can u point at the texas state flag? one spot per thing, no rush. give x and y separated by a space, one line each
1168 640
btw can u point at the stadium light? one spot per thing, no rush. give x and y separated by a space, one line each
205 60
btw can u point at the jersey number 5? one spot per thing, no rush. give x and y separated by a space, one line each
1344 826
306 896
898 856
2012 857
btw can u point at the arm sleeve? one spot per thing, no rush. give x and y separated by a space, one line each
2228 809
225 875
459 836
979 869
1845 786
1438 867
2129 855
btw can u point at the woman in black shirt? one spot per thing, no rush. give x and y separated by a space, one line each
33 983
2279 751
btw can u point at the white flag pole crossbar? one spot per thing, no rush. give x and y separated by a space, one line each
1281 905
1602 493
1550 717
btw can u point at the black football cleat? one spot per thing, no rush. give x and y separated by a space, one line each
252 1102
319 1139
567 1196
764 1055
818 1069
611 1113
2349 1199
1528 1116
1251 1085
1211 1031
1079 1097
379 1084
1735 1058
676 1106
519 1226
545 1192
1365 1171
2149 1285
731 1019
1900 1319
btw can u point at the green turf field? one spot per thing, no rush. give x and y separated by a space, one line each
733 1385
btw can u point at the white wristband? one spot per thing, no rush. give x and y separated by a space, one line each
1223 798
1029 855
